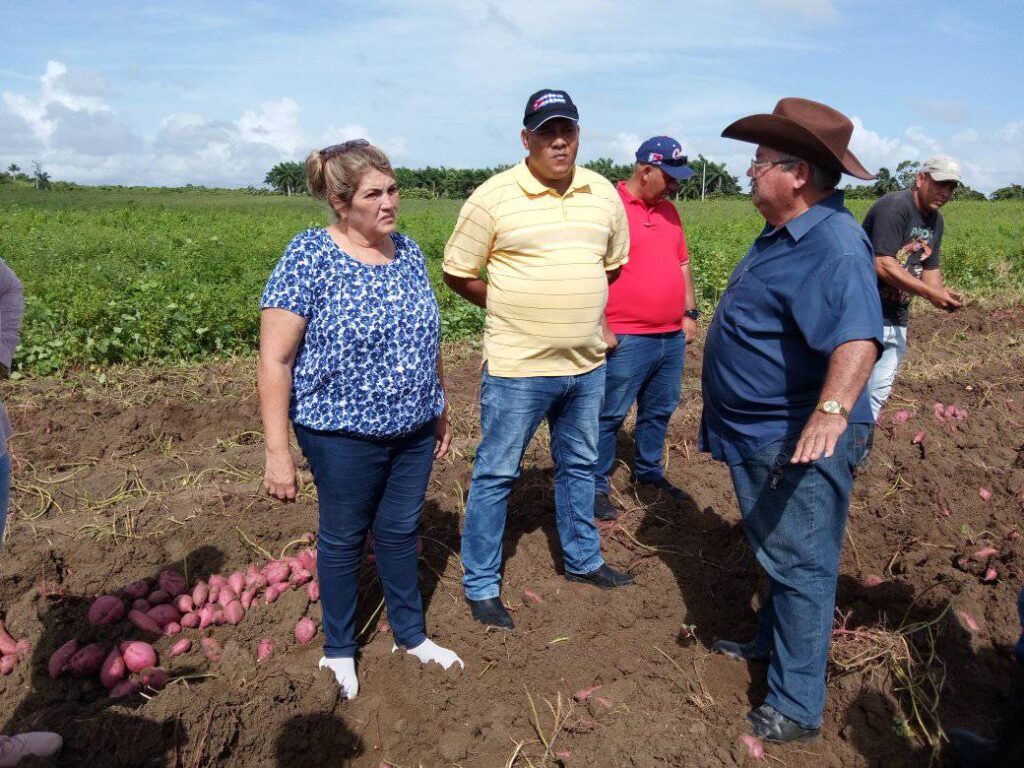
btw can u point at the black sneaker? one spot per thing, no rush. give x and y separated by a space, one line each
603 509
666 487
741 651
776 728
491 612
604 577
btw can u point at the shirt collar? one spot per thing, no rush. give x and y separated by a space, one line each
531 186
810 218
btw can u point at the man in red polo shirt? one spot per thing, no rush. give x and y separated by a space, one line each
651 314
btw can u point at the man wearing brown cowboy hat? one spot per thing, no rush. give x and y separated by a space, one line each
788 352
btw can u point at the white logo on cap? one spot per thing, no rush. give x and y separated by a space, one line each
548 98
677 153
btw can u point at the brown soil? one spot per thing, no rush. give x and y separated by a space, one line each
151 468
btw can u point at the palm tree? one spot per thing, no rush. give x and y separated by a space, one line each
287 177
13 168
885 182
41 177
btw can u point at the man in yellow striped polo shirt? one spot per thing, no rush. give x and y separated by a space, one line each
551 236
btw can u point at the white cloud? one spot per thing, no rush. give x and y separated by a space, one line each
943 110
276 124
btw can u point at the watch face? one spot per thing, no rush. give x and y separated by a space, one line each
831 406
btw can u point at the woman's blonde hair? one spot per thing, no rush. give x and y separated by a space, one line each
335 172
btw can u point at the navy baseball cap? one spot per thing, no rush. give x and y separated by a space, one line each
665 153
546 105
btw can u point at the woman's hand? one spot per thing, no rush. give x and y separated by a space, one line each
442 436
280 478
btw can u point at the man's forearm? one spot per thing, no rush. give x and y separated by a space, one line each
472 289
890 271
848 370
691 291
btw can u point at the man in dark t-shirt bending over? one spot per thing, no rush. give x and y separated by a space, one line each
905 229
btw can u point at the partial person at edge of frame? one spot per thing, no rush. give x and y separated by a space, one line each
905 229
12 306
350 353
531 371
650 317
802 311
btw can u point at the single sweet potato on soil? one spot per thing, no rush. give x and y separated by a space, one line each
234 612
138 655
113 669
172 582
265 649
144 622
164 614
61 657
182 646
87 660
305 629
106 609
136 589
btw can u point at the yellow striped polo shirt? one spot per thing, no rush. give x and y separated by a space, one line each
546 256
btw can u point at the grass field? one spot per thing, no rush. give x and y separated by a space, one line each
138 275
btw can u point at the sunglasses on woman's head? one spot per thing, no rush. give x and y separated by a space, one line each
338 149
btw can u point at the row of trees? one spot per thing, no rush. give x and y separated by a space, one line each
711 179
39 178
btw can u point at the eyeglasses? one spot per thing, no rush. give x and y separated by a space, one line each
755 164
674 162
339 149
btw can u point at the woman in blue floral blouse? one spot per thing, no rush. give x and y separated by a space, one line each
350 353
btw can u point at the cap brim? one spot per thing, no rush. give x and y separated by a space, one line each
534 123
677 172
939 176
787 135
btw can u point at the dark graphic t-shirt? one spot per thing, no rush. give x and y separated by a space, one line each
897 228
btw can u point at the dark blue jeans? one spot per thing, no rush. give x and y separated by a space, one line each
368 484
646 370
795 517
510 412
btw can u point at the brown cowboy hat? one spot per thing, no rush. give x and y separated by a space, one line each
807 129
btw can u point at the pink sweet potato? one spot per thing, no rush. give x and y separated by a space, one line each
200 594
172 582
183 603
8 645
136 589
754 746
217 581
125 688
985 553
206 616
585 693
277 571
872 580
61 657
247 597
919 437
158 597
172 628
531 595
190 620
307 559
212 649
87 660
225 596
234 612
138 655
273 592
985 494
144 622
264 650
154 677
901 417
164 614
106 610
182 646
142 605
991 576
313 590
300 577
237 582
113 669
218 616
7 663
305 629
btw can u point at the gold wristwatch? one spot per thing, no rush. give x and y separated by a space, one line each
833 408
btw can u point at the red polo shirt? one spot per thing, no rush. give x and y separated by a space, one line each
650 294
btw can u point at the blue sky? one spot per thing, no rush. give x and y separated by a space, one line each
172 93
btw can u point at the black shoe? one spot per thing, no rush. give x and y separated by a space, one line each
603 509
491 612
604 577
777 728
970 750
741 651
667 488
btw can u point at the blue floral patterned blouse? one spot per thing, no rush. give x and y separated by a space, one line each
368 362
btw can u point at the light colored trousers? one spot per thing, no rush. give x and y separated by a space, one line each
894 348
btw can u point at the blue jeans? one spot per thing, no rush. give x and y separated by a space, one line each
5 492
368 484
894 349
795 517
646 370
510 412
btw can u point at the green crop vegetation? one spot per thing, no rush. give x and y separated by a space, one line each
115 276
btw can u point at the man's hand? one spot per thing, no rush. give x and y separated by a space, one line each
819 438
689 329
943 298
609 338
442 436
280 478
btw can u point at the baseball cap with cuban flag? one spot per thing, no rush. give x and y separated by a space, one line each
665 153
546 105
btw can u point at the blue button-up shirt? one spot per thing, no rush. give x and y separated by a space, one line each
802 290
